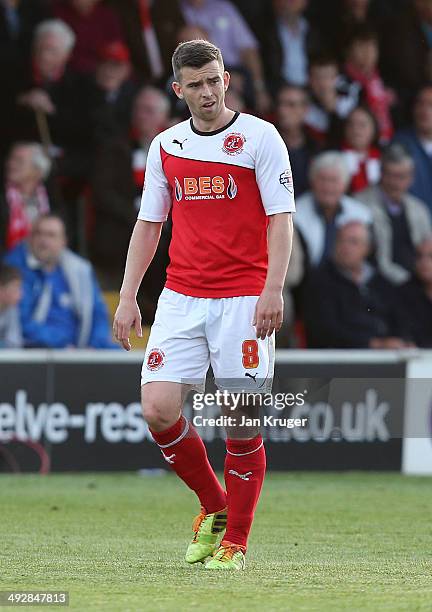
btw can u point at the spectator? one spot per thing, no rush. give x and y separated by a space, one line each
406 49
344 20
18 18
347 303
95 25
360 149
417 296
291 110
150 30
61 305
330 103
24 195
113 89
117 184
362 67
228 30
10 295
51 92
326 206
400 220
291 40
417 139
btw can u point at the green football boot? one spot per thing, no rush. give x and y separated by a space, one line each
228 557
207 528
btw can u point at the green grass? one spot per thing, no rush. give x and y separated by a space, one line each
320 542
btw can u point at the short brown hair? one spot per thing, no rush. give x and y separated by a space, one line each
194 54
8 274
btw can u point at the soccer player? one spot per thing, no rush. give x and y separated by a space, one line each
227 177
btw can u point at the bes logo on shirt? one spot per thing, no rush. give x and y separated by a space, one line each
205 188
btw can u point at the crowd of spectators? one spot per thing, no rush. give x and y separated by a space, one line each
348 84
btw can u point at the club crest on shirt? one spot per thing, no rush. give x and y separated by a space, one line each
155 359
286 180
233 143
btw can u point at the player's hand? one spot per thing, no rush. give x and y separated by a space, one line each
127 316
268 315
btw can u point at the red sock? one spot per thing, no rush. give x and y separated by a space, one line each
245 466
184 450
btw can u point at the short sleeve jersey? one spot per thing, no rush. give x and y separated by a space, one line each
221 186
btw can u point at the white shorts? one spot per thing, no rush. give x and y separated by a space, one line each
189 334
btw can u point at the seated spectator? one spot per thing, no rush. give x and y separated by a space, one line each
400 220
361 67
360 149
50 92
416 296
24 196
117 184
113 89
62 305
330 103
347 303
406 49
10 295
228 30
95 25
291 109
417 139
150 31
346 18
291 41
18 19
326 206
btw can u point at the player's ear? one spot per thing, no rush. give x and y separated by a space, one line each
226 79
177 90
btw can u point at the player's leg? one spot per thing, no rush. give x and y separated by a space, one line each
176 360
240 361
180 443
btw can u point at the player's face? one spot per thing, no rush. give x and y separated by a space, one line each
203 90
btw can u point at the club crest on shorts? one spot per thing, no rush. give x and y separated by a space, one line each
233 143
155 359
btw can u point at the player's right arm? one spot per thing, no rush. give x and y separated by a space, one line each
155 205
142 247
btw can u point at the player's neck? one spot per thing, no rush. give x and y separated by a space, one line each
217 123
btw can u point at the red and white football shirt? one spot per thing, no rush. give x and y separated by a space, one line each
221 185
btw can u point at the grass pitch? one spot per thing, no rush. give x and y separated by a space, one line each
320 542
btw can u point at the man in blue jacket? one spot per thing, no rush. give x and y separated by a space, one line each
418 142
62 305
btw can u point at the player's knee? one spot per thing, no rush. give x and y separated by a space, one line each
153 416
154 412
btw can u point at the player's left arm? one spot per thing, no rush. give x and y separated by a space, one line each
274 179
269 309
